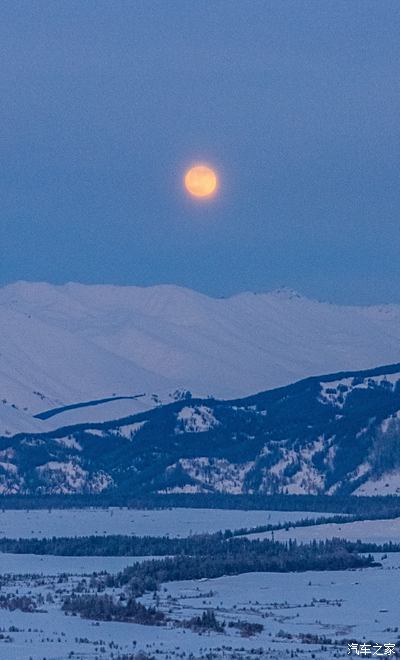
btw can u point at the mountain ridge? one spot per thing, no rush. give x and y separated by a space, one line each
65 344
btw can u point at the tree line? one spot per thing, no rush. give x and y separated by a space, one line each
217 558
380 506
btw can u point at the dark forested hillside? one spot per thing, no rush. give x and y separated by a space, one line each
335 434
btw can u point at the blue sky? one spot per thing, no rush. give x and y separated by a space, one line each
296 103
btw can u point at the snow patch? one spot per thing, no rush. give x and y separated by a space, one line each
218 474
336 392
69 442
196 419
387 484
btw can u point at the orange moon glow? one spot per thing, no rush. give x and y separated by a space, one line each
201 181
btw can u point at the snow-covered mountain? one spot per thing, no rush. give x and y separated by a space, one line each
64 345
335 434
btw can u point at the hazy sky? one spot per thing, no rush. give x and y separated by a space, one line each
104 104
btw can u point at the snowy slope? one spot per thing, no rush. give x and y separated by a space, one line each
65 344
14 421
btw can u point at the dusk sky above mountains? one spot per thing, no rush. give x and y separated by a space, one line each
295 105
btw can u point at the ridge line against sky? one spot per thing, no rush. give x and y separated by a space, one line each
295 105
282 291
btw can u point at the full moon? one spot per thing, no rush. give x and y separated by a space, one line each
201 181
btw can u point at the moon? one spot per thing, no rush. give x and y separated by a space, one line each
201 181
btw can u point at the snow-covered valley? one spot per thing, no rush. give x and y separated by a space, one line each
41 523
300 615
